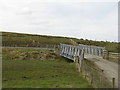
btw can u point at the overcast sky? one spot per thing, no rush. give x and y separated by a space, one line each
88 20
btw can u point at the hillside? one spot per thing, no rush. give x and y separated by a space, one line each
30 40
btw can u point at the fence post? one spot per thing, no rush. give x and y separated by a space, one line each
82 53
77 63
54 46
113 82
104 52
107 55
81 69
101 79
91 78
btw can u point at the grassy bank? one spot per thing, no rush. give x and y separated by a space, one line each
29 54
39 73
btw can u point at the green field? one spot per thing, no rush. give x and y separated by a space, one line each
34 72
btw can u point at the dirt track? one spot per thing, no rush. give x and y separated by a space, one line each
110 68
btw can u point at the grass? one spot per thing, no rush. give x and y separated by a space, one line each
55 73
28 54
30 40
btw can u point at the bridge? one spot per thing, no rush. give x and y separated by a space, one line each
92 53
70 51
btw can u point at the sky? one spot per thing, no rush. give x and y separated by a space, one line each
93 20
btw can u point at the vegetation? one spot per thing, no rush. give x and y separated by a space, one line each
28 54
29 40
34 72
110 46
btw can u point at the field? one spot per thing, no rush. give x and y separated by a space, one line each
56 72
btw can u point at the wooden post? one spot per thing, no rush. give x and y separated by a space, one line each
91 79
54 46
80 69
85 76
82 53
77 64
107 55
113 82
102 70
103 54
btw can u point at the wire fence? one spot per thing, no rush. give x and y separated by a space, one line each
113 57
44 46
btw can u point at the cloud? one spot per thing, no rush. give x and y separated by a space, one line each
97 21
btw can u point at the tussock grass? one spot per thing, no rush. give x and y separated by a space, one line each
39 73
28 54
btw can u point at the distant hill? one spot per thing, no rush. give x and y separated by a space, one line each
32 40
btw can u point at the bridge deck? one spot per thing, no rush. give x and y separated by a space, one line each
110 68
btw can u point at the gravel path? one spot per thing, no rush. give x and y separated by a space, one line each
110 68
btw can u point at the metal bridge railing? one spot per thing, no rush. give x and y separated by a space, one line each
70 51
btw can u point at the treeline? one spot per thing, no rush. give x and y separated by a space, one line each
29 40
